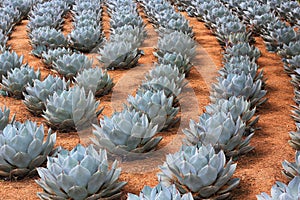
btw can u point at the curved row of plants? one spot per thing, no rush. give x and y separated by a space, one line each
83 172
127 33
265 18
12 12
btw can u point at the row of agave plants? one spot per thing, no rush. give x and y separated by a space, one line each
228 123
283 39
83 172
266 18
127 33
12 12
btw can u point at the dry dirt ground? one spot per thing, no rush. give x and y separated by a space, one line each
257 170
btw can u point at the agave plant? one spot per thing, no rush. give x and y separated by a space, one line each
239 85
126 131
45 38
166 78
82 173
23 6
201 171
177 23
4 118
22 149
8 62
71 110
290 170
283 191
239 108
17 80
157 106
37 94
279 35
295 137
242 49
70 65
183 63
51 56
290 50
211 130
177 42
239 64
224 30
85 38
160 192
119 55
3 41
133 35
122 19
46 20
292 65
95 80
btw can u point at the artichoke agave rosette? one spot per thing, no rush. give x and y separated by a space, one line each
22 149
82 173
201 171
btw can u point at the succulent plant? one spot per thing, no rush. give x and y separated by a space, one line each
290 50
283 191
16 81
201 171
52 55
70 65
238 85
239 108
6 26
183 63
71 110
295 138
23 6
166 78
125 132
160 192
85 38
260 22
279 35
45 38
3 41
119 55
13 15
177 42
122 19
4 118
82 173
95 80
46 20
8 62
220 130
290 170
177 23
239 64
242 49
224 30
37 94
22 149
133 35
157 106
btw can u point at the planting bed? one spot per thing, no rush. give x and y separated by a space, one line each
258 170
